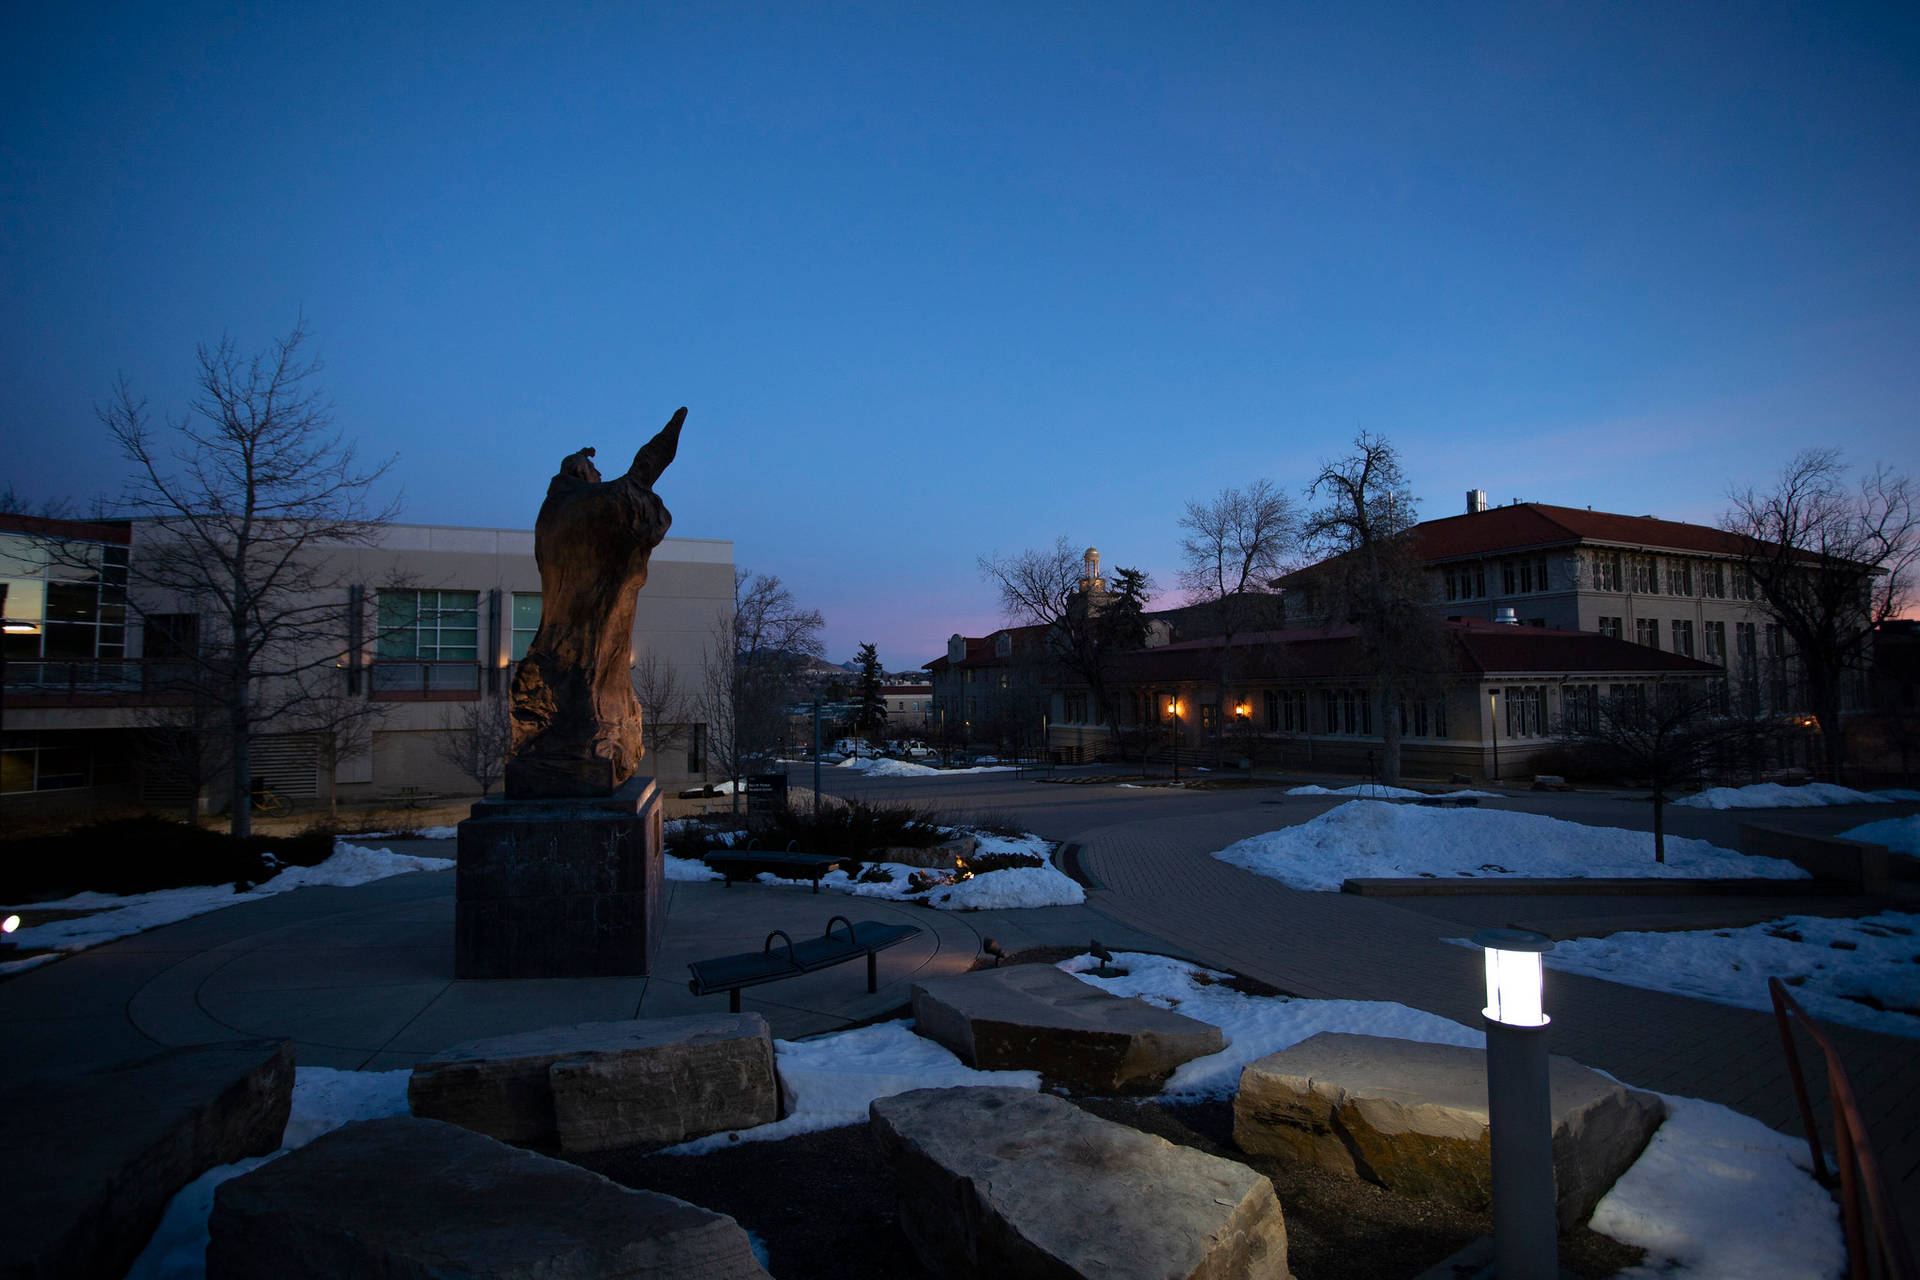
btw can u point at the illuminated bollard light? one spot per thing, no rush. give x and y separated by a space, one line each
1519 1108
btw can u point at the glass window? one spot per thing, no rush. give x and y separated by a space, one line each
1646 631
526 622
1683 637
432 626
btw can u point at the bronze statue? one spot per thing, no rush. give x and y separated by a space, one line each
576 723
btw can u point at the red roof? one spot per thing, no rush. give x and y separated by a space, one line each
1528 526
980 649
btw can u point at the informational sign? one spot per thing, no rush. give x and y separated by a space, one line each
766 793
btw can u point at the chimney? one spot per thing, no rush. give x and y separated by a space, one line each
1505 616
1476 501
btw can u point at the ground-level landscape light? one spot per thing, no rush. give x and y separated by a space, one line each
1519 1110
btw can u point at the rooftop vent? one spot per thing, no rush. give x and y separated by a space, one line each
1505 616
1476 501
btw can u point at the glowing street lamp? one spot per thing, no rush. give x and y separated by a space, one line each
1173 705
1519 1108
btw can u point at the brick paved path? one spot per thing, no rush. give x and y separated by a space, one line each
1156 876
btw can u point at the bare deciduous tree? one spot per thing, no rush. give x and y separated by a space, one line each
1668 735
238 497
1043 588
475 738
753 670
1832 562
1235 545
665 708
1374 581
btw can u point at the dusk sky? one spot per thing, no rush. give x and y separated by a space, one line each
939 281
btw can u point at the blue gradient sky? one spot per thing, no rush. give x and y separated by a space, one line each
939 281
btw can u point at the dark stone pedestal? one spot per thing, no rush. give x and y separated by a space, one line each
569 888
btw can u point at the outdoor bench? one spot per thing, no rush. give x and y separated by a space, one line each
771 963
745 864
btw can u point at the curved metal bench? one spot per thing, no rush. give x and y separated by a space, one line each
771 963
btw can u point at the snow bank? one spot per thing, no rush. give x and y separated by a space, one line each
115 916
1719 1196
1367 839
886 768
323 1099
690 869
1902 835
1363 790
827 1082
1041 886
1255 1026
1771 795
1875 959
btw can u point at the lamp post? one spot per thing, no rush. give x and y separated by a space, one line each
1173 705
1519 1108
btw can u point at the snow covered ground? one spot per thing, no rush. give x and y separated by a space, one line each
1832 966
1380 791
1370 839
1902 835
884 768
1040 886
1771 795
111 916
1716 1195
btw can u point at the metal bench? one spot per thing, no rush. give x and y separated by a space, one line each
745 864
772 963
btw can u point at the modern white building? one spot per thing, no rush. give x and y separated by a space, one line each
431 619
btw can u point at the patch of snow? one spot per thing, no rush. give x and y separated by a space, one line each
1899 796
1696 1195
1875 959
1363 790
1042 886
1367 839
421 833
113 916
690 869
827 1082
1902 835
1255 1026
1771 795
885 768
323 1099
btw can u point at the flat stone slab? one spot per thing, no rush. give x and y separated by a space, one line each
1412 1117
89 1162
432 1201
597 1085
1005 1182
1033 1017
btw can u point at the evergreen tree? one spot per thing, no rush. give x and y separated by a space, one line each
872 719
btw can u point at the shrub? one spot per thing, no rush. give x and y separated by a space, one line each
139 855
981 863
853 830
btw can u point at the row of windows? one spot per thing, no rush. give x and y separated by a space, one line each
444 626
1669 575
1646 631
64 605
1521 575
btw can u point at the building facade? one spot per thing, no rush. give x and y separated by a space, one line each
430 622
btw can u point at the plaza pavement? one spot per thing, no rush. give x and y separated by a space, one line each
362 978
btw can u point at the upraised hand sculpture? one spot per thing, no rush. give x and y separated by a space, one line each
576 723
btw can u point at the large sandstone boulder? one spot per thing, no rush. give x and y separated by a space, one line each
89 1162
431 1201
1412 1117
1034 1017
1002 1182
606 1084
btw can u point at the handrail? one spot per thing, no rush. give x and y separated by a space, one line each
853 937
767 947
1859 1169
